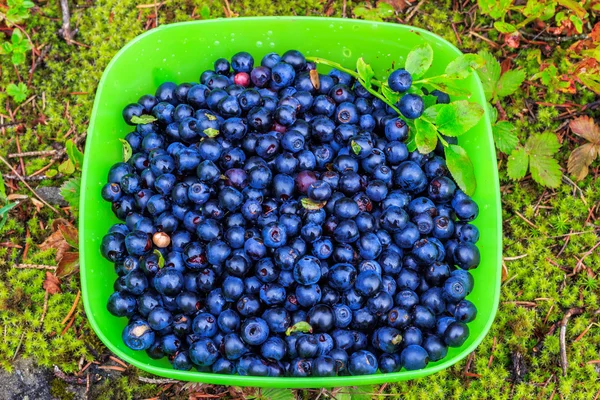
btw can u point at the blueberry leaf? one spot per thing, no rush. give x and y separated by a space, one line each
419 60
161 259
430 113
211 132
426 136
143 119
127 151
463 66
68 264
365 72
389 94
504 27
428 100
460 166
458 117
311 204
518 161
504 136
301 326
448 86
355 147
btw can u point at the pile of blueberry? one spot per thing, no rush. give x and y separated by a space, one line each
275 224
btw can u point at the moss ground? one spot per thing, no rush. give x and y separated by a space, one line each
543 243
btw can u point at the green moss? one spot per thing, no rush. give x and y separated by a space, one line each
59 390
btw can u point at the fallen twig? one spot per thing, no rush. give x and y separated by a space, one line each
27 184
72 310
33 154
35 266
557 39
414 10
526 220
156 381
66 21
562 336
34 178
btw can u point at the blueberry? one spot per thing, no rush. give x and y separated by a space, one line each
321 317
138 335
203 352
466 255
456 334
465 311
414 357
400 80
254 331
274 348
362 362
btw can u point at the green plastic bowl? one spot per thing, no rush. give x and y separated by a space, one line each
180 52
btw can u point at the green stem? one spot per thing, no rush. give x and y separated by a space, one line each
337 66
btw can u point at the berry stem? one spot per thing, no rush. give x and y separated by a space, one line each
337 66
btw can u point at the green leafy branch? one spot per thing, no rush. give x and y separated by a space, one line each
453 119
18 47
18 10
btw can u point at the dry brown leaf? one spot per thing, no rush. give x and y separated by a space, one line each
68 264
56 239
70 234
580 160
51 283
586 128
16 196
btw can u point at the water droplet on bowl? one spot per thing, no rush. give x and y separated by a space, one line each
346 52
259 44
217 43
272 44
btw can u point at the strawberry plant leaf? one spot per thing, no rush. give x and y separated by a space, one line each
426 137
463 66
581 158
458 117
504 136
544 168
127 151
586 128
17 92
460 166
518 161
509 82
489 74
365 72
277 394
70 191
419 60
143 119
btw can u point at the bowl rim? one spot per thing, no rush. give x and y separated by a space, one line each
282 382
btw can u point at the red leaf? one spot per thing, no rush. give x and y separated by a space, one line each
68 264
70 234
51 283
512 40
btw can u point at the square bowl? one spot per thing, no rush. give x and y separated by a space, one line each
180 52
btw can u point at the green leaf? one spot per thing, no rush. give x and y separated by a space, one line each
17 92
66 167
2 190
574 6
17 58
161 259
509 82
504 136
311 204
389 94
74 154
211 132
429 100
355 147
504 27
70 234
205 12
547 75
591 81
127 150
4 213
143 119
577 23
277 394
494 8
419 60
544 168
426 136
379 13
518 161
365 72
17 37
449 86
493 113
489 74
430 113
458 117
460 166
301 326
362 392
461 67
51 173
70 191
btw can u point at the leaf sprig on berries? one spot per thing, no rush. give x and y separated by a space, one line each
438 120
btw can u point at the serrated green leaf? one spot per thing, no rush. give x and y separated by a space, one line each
211 132
426 136
17 92
504 27
463 66
17 58
489 74
127 150
74 154
430 113
70 191
494 8
277 394
458 117
493 113
518 161
362 392
461 168
389 94
66 167
544 168
311 204
301 326
504 136
591 81
143 119
419 60
509 82
365 72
